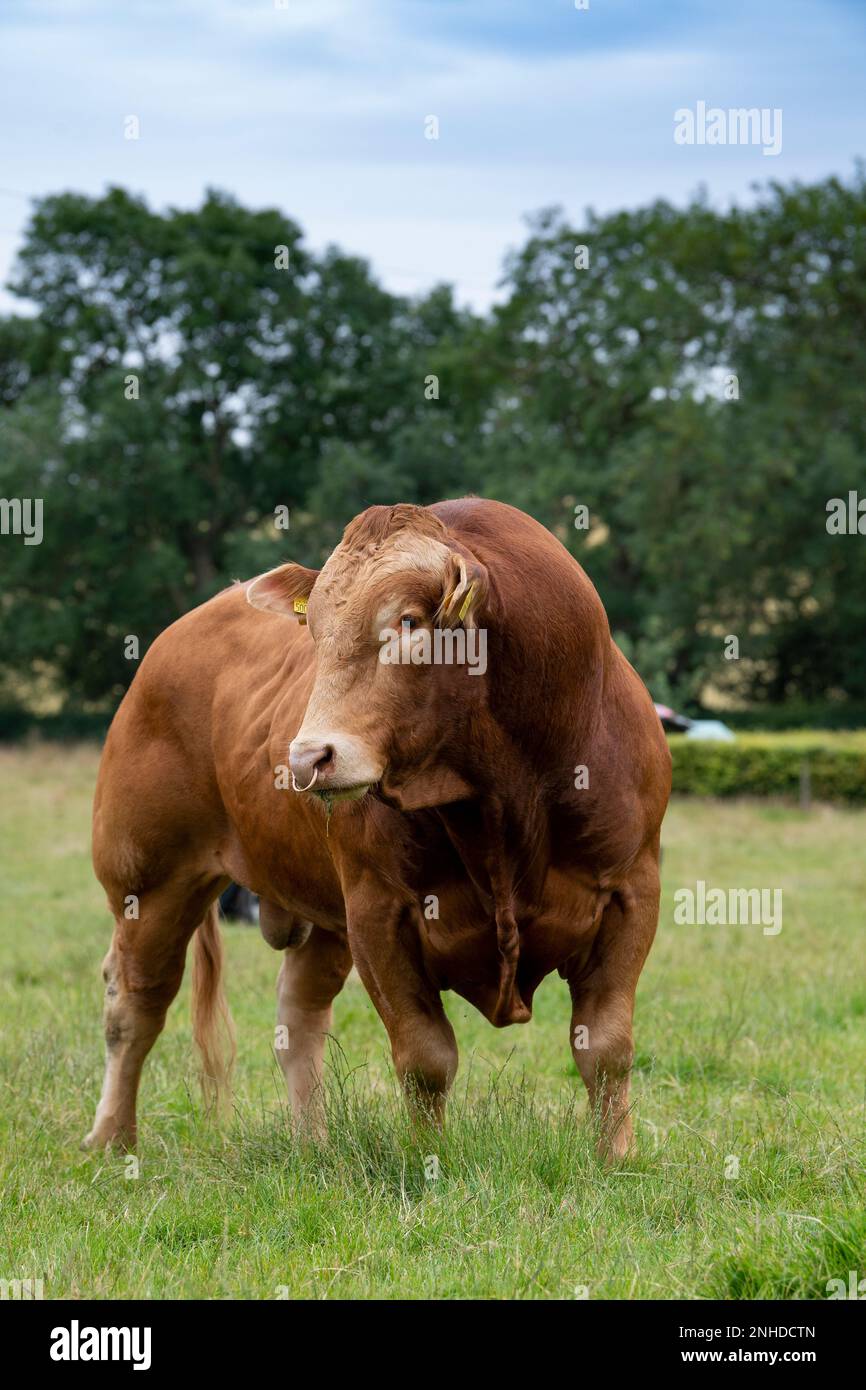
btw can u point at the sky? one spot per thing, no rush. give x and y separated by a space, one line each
320 108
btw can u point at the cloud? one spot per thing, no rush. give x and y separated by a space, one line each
319 108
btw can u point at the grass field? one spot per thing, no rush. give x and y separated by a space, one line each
750 1061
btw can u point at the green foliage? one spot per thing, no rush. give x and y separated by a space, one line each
770 766
66 725
708 513
176 387
302 385
801 714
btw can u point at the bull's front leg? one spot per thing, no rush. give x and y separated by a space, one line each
384 936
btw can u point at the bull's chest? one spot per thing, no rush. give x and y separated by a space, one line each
461 943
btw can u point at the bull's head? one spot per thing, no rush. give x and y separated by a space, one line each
395 615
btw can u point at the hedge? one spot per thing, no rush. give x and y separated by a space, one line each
794 714
757 768
18 723
754 765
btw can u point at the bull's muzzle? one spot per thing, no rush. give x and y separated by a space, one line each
309 763
336 766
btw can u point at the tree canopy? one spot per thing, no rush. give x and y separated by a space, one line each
676 392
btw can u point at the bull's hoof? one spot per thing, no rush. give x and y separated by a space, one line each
616 1148
109 1137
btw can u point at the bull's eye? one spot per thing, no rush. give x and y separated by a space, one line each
407 621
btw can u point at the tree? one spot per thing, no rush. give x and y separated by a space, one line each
676 392
186 374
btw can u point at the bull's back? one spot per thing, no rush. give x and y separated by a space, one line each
189 761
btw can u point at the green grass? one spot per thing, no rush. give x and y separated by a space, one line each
749 1047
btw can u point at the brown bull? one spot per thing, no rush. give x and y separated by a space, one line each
453 823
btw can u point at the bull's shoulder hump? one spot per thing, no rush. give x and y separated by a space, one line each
225 626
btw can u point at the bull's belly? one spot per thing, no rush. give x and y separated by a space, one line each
461 947
286 864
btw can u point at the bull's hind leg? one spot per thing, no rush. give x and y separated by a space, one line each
142 973
311 976
602 994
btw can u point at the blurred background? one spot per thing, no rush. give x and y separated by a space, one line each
268 264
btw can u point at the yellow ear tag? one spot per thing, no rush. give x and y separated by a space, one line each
464 607
300 605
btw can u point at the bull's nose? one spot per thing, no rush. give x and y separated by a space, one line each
308 762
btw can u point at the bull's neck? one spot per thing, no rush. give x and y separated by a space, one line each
549 709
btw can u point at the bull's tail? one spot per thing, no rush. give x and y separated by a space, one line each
212 1025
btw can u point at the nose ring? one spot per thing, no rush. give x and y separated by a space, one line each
309 784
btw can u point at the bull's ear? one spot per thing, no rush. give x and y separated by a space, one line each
465 591
283 590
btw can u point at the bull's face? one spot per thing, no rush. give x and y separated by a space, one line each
394 617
